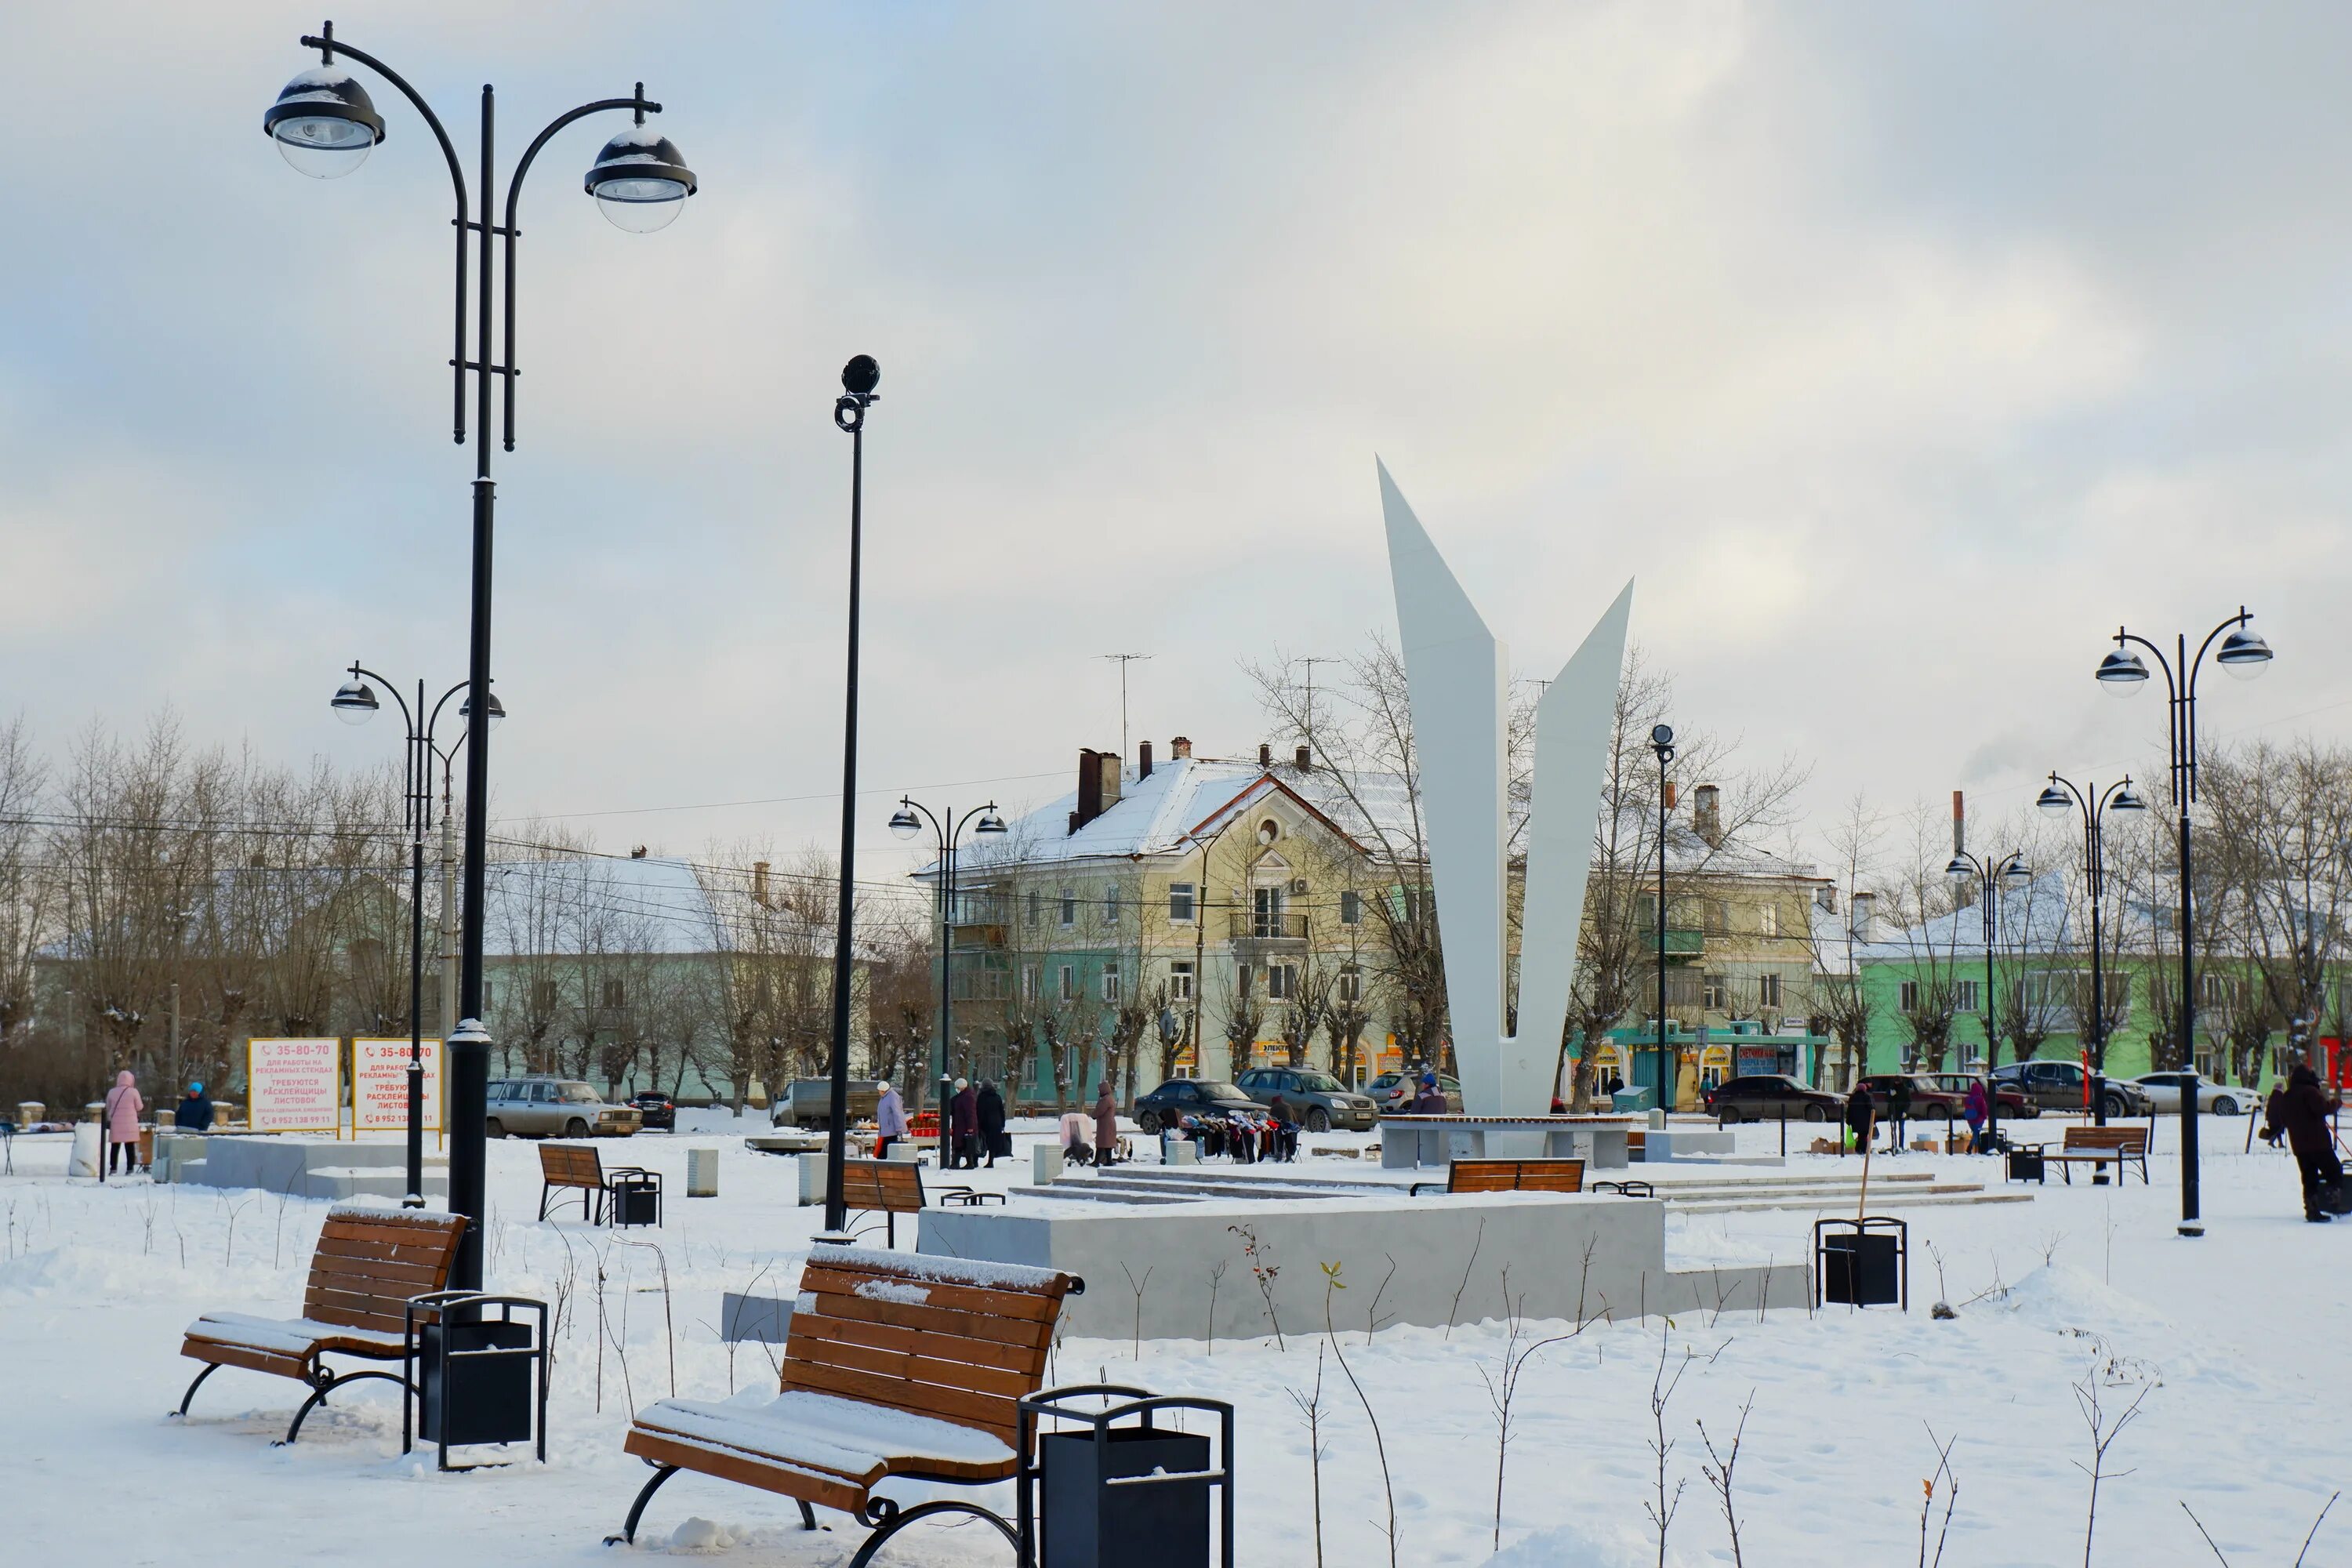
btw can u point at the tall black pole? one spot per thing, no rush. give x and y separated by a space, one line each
2184 792
420 798
1992 1020
1662 741
469 1050
859 379
2095 861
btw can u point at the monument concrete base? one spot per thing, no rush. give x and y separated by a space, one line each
1193 1269
302 1167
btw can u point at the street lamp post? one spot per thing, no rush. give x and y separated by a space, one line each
2121 673
355 702
2009 871
859 377
947 833
2059 798
1662 741
324 124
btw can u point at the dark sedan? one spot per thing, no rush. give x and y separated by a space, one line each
1190 1097
1768 1097
656 1109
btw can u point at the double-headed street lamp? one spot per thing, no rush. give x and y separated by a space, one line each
325 125
2058 799
354 702
859 377
2244 655
1662 741
947 832
2009 871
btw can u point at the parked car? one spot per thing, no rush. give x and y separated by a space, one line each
808 1102
555 1107
656 1109
1930 1102
2063 1086
1393 1092
1189 1097
2163 1091
1767 1096
1320 1101
2012 1102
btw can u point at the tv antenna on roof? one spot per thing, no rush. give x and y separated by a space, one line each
1124 660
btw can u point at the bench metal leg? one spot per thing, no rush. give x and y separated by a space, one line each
329 1381
210 1367
628 1535
544 1190
808 1514
887 1519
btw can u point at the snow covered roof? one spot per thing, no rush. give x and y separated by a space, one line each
2036 918
547 905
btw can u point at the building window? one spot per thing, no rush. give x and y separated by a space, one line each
1710 995
1029 982
1767 991
1069 983
1110 905
1351 908
1767 920
1717 916
1964 999
1907 998
615 993
1281 982
1179 903
1351 983
542 995
1180 980
490 995
1415 903
1241 980
1069 907
1110 981
1034 899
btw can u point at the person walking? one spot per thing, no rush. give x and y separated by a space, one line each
889 1120
1898 1112
2314 1145
2274 1115
1106 1124
963 1129
122 1109
194 1112
992 1119
1973 1108
1859 1113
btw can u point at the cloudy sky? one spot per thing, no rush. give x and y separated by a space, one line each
1901 352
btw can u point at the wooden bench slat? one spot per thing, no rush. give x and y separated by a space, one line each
334 1245
908 1366
824 1280
384 1271
746 1470
965 1408
969 1325
1027 1360
394 1235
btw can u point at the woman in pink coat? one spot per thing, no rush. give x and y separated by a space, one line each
122 1108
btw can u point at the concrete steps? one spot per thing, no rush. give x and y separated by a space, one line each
1824 1204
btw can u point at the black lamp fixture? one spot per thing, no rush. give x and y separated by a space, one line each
640 180
323 123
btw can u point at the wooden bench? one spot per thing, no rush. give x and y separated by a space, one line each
1509 1176
896 1364
893 1187
2094 1146
578 1165
369 1264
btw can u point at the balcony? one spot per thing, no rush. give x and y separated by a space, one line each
1263 927
1681 941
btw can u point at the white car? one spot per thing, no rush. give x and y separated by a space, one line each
2164 1090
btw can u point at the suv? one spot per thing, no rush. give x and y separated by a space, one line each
2064 1086
1320 1101
1189 1097
656 1109
808 1102
562 1106
1767 1096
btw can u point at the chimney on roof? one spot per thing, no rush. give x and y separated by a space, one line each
1089 789
1865 907
1181 749
1305 758
1707 813
1142 760
1265 754
760 883
638 853
1108 762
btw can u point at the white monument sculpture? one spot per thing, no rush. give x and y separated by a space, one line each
1458 674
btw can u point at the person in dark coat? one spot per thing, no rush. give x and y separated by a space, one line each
1898 1112
194 1112
1106 1125
1285 1128
1859 1115
963 1127
2274 1115
989 1107
1430 1100
2313 1142
1974 1109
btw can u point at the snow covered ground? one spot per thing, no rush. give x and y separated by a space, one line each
2236 1347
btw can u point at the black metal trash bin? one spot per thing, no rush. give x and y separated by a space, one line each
478 1379
2025 1164
636 1197
1867 1263
1133 1496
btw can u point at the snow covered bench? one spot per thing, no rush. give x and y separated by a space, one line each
896 1364
369 1263
1509 1176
